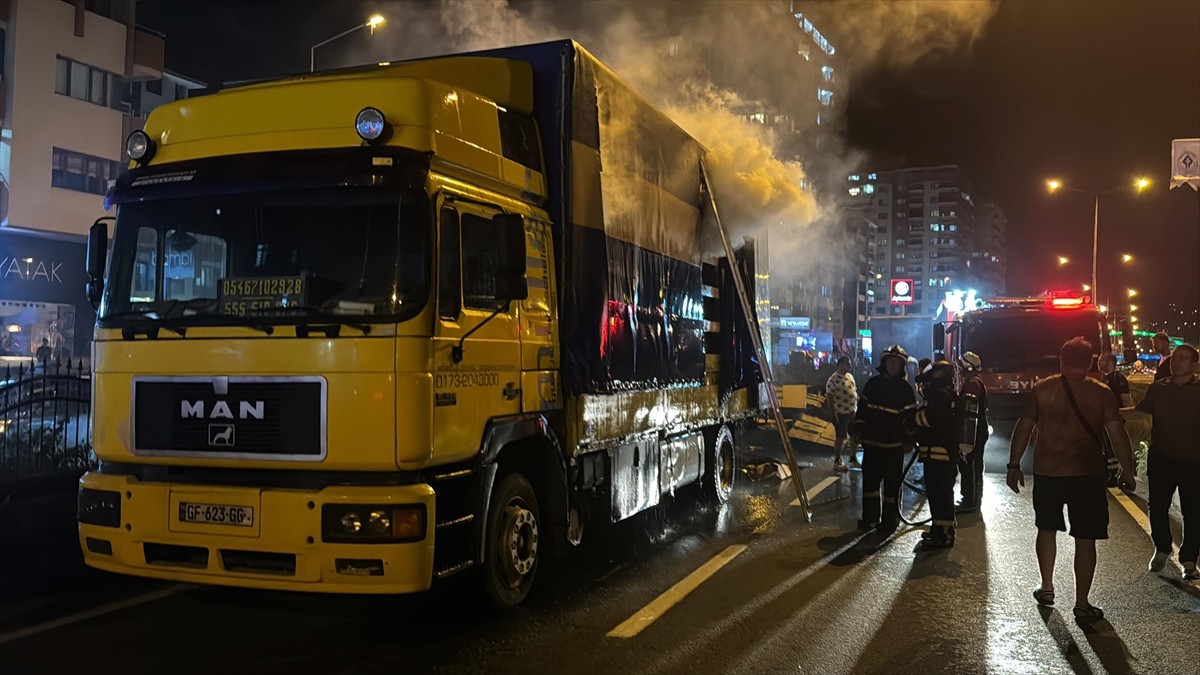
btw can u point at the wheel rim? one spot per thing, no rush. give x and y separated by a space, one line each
726 473
517 544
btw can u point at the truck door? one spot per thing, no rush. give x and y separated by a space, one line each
486 382
539 324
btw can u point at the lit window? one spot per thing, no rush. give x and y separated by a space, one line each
868 189
854 191
854 177
825 96
827 71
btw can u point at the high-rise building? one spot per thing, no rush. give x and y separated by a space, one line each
934 235
806 303
78 77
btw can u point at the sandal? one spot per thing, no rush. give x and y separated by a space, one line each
1043 597
1088 613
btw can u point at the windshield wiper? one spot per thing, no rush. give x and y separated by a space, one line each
163 318
330 324
151 331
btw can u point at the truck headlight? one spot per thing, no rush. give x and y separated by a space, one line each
372 523
99 507
139 147
370 124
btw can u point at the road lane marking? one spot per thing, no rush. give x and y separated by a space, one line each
816 489
685 649
1129 505
93 613
659 606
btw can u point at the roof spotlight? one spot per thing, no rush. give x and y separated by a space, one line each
139 147
370 124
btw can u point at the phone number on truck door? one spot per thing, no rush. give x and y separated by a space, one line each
465 380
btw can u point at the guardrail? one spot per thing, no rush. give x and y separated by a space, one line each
45 431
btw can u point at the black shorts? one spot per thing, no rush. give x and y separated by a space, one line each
1085 497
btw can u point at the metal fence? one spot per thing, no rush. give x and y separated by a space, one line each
45 433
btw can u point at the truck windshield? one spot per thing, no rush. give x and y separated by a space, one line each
273 257
1028 341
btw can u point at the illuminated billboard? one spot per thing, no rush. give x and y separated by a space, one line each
902 291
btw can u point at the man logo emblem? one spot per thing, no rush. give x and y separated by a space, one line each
220 434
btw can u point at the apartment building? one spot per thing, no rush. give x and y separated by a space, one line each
933 235
78 77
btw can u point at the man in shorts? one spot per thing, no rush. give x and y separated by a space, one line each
1070 411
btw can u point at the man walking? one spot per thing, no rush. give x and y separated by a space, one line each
885 401
841 397
971 466
1110 376
1162 347
1068 410
1173 405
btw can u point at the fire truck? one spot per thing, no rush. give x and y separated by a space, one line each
1018 340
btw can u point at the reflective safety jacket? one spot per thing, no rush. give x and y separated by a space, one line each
937 427
882 406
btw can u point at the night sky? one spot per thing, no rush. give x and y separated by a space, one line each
1089 92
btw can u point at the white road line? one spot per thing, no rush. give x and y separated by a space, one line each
685 649
816 489
659 606
92 613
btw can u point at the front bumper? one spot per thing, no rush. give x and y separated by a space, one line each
281 550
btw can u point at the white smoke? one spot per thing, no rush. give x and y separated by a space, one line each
661 49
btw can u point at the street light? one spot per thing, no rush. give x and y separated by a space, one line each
1131 292
374 22
1054 185
1133 308
1086 288
1063 260
1126 258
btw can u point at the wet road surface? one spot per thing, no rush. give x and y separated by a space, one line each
748 588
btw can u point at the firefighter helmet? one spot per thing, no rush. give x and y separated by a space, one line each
971 361
938 372
894 350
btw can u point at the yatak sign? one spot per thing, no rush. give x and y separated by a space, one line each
30 269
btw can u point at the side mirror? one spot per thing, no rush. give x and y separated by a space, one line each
939 337
511 283
97 253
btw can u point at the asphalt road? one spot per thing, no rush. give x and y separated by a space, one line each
749 588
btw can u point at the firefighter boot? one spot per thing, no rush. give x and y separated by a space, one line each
938 536
891 516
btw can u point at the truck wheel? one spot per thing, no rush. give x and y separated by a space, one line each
511 555
719 469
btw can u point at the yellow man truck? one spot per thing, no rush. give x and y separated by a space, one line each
365 329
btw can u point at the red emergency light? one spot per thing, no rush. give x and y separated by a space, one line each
1066 303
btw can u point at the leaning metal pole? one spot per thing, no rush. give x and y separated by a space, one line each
759 351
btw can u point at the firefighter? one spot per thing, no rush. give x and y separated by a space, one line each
937 435
879 428
971 466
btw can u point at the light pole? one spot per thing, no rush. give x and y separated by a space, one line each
1054 185
372 23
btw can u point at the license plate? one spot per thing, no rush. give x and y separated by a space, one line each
217 514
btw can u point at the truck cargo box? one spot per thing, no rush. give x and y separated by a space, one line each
625 191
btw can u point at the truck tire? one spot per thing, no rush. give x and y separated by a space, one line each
719 466
511 545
